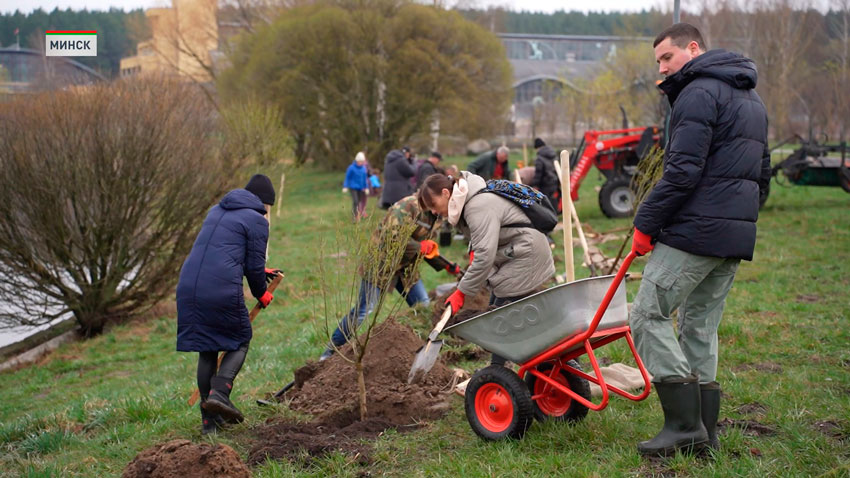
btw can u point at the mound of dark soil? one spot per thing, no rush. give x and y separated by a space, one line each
471 305
328 391
184 459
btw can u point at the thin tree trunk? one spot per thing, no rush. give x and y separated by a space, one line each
361 385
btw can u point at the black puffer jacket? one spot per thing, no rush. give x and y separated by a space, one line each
545 176
716 159
397 173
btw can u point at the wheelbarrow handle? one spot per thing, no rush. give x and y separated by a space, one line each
612 289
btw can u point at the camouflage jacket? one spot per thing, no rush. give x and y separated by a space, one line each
405 215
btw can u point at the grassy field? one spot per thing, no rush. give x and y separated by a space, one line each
90 407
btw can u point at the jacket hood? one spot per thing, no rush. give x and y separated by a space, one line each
242 199
395 156
476 183
737 71
547 152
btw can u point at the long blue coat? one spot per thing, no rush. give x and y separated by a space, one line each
211 313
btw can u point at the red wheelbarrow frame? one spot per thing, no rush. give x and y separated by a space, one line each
586 342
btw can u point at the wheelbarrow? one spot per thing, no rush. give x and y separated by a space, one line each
544 333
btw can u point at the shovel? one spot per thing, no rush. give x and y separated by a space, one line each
428 353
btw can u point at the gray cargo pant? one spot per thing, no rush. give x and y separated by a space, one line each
697 286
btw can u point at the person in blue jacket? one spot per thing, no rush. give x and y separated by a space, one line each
357 183
211 313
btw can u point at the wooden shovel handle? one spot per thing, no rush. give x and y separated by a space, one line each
442 323
252 315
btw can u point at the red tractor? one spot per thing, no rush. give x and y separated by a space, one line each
615 153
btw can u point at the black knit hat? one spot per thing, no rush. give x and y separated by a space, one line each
261 185
538 143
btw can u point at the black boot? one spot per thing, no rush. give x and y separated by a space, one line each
683 429
209 422
710 406
219 403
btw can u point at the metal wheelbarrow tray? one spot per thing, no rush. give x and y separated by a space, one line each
544 333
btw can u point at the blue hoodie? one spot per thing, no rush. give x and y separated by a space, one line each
211 312
355 177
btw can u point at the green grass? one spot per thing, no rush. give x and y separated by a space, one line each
91 407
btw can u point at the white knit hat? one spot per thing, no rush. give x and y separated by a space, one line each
361 157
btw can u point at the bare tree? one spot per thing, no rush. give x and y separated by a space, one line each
100 194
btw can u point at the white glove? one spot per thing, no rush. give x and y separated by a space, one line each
344 190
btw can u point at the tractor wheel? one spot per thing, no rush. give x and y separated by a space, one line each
616 198
497 403
552 404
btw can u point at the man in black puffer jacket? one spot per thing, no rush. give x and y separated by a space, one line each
701 221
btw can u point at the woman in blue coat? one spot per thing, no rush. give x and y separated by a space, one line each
211 313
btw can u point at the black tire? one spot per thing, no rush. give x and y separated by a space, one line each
616 198
559 406
498 404
844 179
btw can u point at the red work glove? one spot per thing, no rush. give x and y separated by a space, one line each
429 249
453 268
641 243
266 299
471 256
455 301
271 274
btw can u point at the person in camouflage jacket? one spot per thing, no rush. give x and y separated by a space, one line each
405 215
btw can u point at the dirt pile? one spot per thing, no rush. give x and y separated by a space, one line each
184 459
328 391
472 306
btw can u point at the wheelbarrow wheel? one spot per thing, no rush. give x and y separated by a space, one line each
497 403
553 404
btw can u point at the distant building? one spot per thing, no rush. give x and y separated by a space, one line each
544 65
25 71
184 41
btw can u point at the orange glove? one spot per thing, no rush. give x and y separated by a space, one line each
455 301
429 249
641 243
266 299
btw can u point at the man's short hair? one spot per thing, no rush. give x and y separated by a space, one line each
681 34
437 155
503 150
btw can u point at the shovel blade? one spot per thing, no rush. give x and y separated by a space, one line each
425 359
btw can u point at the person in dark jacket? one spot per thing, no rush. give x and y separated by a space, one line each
398 170
700 222
428 168
492 165
211 313
545 176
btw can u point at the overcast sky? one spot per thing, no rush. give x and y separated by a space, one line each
534 5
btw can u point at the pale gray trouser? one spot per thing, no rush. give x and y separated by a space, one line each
697 286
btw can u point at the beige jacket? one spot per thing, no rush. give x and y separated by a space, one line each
511 261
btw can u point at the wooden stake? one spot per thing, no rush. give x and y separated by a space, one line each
524 154
567 203
280 194
517 176
581 237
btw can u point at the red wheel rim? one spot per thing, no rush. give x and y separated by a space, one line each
552 402
494 407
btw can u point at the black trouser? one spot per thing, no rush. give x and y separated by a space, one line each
498 302
230 366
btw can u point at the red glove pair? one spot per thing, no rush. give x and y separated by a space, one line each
453 268
641 243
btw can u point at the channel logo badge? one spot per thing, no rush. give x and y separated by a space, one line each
70 43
